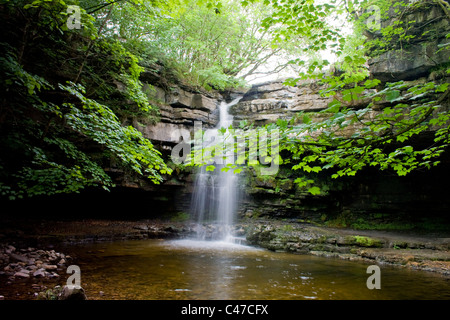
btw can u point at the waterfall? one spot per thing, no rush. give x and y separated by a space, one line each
216 193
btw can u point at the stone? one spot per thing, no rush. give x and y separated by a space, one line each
10 249
24 271
50 267
21 275
18 257
165 132
40 273
142 227
72 293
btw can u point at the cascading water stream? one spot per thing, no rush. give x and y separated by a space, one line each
216 193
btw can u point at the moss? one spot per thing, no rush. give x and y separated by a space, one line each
400 245
285 184
368 242
287 228
180 217
321 239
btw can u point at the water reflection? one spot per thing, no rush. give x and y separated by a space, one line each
212 270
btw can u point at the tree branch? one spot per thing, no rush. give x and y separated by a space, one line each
101 6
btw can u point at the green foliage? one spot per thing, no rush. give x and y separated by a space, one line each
210 44
379 134
368 123
66 93
60 117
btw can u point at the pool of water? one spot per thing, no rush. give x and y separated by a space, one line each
189 269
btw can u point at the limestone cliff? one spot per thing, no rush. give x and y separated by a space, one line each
179 106
421 52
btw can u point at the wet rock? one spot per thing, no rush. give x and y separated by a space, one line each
18 257
40 273
72 293
142 227
50 267
30 262
24 271
10 249
21 275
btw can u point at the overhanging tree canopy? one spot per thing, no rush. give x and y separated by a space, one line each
63 90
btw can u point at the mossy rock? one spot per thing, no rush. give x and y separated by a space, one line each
285 184
368 242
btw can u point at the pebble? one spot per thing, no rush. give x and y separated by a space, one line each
40 273
50 267
21 275
30 262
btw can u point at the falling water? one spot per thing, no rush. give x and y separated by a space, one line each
215 195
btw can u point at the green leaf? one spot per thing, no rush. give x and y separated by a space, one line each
392 95
237 170
306 119
314 191
333 106
300 182
443 87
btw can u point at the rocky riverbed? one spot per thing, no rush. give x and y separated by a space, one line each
37 268
31 262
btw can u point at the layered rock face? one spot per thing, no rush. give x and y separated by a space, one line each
422 52
267 102
179 106
179 111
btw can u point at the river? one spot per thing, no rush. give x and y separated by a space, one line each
191 269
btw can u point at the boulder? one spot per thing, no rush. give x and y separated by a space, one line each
72 293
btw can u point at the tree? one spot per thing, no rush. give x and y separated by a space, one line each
208 44
60 108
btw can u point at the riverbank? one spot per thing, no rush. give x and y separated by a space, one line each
419 251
